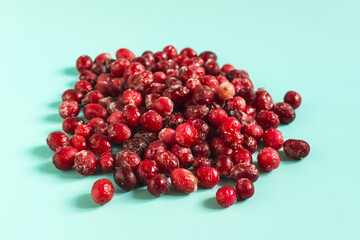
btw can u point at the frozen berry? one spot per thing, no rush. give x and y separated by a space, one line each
94 110
267 119
85 162
296 149
131 96
244 188
183 180
167 136
268 159
273 138
154 148
78 142
57 140
241 155
84 63
99 144
163 105
225 91
118 132
203 95
125 53
106 162
253 130
208 177
135 144
293 98
217 116
226 196
166 162
147 169
69 109
184 155
102 191
244 170
285 112
224 165
64 157
83 130
186 134
158 185
132 115
69 124
125 178
152 121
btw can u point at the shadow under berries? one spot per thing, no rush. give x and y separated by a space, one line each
49 168
54 118
85 201
70 71
142 194
42 151
212 203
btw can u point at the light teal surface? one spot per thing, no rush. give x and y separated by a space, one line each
312 47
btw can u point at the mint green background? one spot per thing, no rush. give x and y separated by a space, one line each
308 46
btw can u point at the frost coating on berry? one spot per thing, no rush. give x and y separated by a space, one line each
183 180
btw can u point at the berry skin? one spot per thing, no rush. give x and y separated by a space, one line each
250 144
78 142
69 124
83 130
132 115
268 159
186 135
202 148
241 155
208 177
263 101
201 162
244 188
184 155
183 180
162 105
203 95
102 191
106 162
154 148
273 138
99 144
217 116
85 162
201 127
125 53
152 121
244 170
267 119
218 147
136 145
225 91
125 178
94 110
84 63
118 132
147 169
253 130
224 165
285 112
127 158
119 66
174 120
69 109
166 162
63 159
167 136
131 96
296 149
57 140
226 196
293 98
94 121
72 95
158 185
229 125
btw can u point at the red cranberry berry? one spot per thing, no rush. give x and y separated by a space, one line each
241 155
208 177
148 137
150 98
135 144
101 129
229 125
63 158
83 130
263 100
142 81
78 142
217 116
186 135
125 53
119 66
183 180
184 155
223 164
248 94
131 96
159 77
132 115
203 95
226 196
133 70
210 81
296 149
202 148
99 144
116 117
188 52
236 103
285 112
69 109
212 67
151 121
268 159
166 162
170 51
293 98
273 138
118 132
125 178
225 91
92 97
244 188
173 120
197 111
226 68
163 105
116 86
102 191
201 162
250 144
85 162
147 169
154 148
253 130
83 86
106 162
98 68
218 147
167 136
93 110
206 55
201 127
94 121
84 63
177 94
127 158
158 185
235 73
233 140
244 170
101 58
72 95
57 140
192 84
267 119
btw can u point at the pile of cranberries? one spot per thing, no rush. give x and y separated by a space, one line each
177 115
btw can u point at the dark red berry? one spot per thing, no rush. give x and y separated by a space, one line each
224 165
229 125
84 86
226 68
99 144
148 137
170 51
218 147
131 96
201 127
217 116
119 66
102 191
296 149
244 170
293 98
147 169
101 129
118 132
241 155
116 117
201 162
273 138
106 162
197 111
63 158
226 196
267 119
173 120
208 177
92 97
158 185
72 95
94 121
69 124
268 159
250 144
101 58
253 130
285 112
202 148
154 148
163 105
244 188
57 140
127 158
125 178
263 101
78 142
203 95
183 180
234 73
135 144
166 162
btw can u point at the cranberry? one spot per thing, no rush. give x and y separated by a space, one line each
244 188
201 162
63 158
210 81
127 158
166 162
223 164
206 55
285 112
296 149
218 147
118 132
212 67
103 88
152 121
125 53
93 110
72 95
133 70
248 94
135 144
106 162
170 51
183 180
163 105
132 115
94 121
203 95
150 98
197 111
78 142
142 81
263 100
173 120
106 101
102 191
85 162
57 140
250 144
293 98
116 117
154 148
226 196
156 88
267 119
208 177
201 127
268 159
253 130
202 148
116 86
147 169
186 135
236 103
188 52
244 170
101 129
101 58
233 140
92 97
165 65
131 96
99 144
158 185
273 138
197 61
250 112
241 155
69 109
125 178
229 125
177 94
234 73
167 136
217 116
240 83
114 107
84 63
83 86
226 68
98 68
159 77
119 66
225 91
184 155
83 130
221 79
148 137
192 84
159 56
